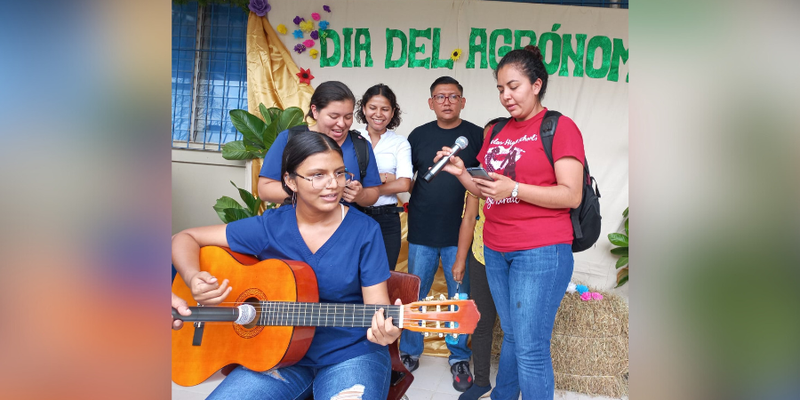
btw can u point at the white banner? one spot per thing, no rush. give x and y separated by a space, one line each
408 44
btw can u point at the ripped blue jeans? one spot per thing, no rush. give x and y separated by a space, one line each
364 377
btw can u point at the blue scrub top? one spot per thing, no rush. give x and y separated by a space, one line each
354 256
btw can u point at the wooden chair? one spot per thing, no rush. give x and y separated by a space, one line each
405 287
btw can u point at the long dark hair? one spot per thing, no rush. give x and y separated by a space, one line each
379 90
301 146
328 92
530 62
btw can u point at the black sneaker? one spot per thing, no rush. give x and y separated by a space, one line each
410 363
462 378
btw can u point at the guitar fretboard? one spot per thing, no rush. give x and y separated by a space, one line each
279 313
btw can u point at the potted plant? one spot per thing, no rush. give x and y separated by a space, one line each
621 240
257 137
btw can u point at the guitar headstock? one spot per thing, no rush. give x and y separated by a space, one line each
443 316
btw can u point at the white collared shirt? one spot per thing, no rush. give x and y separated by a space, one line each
393 155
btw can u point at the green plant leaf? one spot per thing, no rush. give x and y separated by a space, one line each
251 127
252 202
622 276
237 150
623 261
265 113
269 135
235 214
626 227
292 116
274 114
625 213
620 251
618 239
223 203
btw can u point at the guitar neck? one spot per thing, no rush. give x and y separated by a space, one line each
280 313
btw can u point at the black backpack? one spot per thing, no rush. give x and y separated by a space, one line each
585 218
359 143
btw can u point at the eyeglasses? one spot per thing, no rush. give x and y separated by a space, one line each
321 181
439 98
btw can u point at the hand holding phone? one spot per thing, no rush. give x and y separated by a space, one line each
479 173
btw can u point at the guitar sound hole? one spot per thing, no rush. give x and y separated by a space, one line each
257 305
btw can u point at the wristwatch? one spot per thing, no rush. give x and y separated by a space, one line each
515 191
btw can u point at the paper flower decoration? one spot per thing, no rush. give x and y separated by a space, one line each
297 20
455 55
298 34
305 74
307 26
260 7
326 8
313 53
323 25
597 296
571 287
315 35
581 289
586 296
282 29
309 43
299 48
315 16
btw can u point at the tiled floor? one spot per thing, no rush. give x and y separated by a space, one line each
432 381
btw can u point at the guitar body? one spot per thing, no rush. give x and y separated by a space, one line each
199 353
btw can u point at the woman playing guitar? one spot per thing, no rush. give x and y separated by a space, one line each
346 251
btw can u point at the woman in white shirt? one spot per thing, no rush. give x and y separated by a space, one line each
379 110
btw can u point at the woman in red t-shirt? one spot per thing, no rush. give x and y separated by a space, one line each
528 233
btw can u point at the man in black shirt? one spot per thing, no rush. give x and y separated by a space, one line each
434 214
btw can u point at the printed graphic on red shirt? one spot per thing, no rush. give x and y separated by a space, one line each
504 156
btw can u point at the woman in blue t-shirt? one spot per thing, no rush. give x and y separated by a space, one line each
346 251
331 108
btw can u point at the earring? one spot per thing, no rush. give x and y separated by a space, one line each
294 199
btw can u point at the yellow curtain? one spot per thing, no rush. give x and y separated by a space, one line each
272 80
271 77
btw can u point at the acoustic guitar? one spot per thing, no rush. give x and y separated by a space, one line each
268 320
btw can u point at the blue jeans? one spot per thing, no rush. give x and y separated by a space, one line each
423 261
367 375
527 287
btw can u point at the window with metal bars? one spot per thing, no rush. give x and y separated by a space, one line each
209 75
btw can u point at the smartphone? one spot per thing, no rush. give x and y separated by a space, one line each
479 173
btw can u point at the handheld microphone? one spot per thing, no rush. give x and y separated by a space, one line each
461 143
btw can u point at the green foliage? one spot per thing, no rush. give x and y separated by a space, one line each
258 134
230 210
621 240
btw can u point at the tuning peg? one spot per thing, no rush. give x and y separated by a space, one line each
441 334
426 334
429 298
442 297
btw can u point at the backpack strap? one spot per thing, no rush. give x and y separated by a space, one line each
362 152
547 131
498 127
297 129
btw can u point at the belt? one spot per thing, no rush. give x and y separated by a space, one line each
387 209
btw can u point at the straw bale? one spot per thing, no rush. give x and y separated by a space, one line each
589 345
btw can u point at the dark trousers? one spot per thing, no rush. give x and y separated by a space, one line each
390 228
482 338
